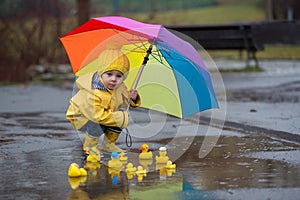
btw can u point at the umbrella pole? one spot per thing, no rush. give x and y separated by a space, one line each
146 58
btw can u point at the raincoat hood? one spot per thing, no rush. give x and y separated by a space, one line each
85 82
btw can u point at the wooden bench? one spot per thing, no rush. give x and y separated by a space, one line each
224 37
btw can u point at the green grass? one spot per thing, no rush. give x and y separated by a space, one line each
224 13
227 11
214 15
284 52
280 52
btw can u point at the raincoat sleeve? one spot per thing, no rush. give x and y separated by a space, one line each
105 116
135 103
96 107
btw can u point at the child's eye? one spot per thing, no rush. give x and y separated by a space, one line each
119 76
109 74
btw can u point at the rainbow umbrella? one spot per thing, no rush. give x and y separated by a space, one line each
167 71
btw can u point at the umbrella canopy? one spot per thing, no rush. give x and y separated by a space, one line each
167 71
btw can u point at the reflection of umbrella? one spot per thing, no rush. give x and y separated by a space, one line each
175 79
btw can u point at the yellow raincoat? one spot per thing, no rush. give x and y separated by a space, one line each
98 106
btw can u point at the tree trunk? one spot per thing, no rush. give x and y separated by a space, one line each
83 11
269 10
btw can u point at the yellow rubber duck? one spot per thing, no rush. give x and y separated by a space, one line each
130 168
162 158
114 172
130 171
130 175
115 176
140 173
140 170
93 155
76 171
123 157
115 161
159 166
170 171
162 173
169 165
145 163
92 168
145 154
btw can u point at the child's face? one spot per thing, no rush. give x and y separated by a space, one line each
112 79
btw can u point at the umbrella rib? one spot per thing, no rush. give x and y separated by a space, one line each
159 55
169 55
175 58
142 44
160 60
137 47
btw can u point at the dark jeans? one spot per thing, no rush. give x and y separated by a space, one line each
96 130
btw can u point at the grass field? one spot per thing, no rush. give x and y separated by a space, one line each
270 52
223 13
227 11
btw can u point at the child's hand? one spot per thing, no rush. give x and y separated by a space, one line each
133 94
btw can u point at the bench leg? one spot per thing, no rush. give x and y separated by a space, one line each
255 58
248 59
241 54
251 55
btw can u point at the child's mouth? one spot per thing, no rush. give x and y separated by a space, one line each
111 86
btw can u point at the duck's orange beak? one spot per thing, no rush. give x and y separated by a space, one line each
144 147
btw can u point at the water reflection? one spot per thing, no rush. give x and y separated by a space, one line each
227 170
104 182
228 166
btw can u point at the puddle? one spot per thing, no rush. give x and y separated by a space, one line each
291 156
106 185
35 158
234 167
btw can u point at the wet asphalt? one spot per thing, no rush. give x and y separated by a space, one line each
254 155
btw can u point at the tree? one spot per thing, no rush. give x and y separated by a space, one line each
284 9
29 34
83 11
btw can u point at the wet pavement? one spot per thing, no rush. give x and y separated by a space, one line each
256 156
